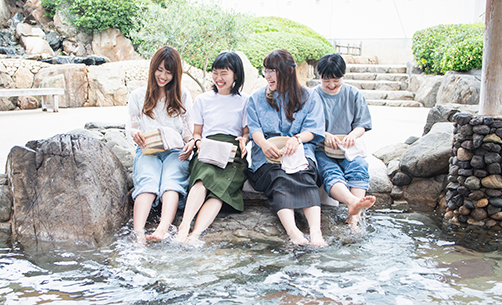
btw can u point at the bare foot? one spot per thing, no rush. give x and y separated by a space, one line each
158 235
353 222
297 238
193 240
316 239
182 235
140 237
363 204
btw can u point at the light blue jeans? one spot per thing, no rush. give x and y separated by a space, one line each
354 174
159 173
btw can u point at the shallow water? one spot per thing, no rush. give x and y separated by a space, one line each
404 258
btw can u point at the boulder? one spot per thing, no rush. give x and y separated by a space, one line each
36 46
71 77
5 203
26 30
28 102
251 74
379 181
4 14
23 78
33 10
429 156
459 89
416 81
426 94
107 85
114 45
391 152
54 40
423 194
445 113
123 149
63 25
66 188
6 104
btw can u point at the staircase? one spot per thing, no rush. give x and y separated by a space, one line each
381 85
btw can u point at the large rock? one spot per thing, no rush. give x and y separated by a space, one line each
34 10
114 45
445 113
5 203
63 26
4 14
36 46
423 194
71 77
23 78
427 92
66 188
379 181
429 156
416 81
390 152
459 89
251 74
123 149
107 85
24 29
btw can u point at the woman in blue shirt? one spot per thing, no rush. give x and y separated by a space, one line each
285 108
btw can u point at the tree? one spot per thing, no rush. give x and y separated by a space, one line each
197 31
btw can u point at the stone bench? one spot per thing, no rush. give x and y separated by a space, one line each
43 92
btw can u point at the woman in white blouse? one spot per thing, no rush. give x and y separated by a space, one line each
162 176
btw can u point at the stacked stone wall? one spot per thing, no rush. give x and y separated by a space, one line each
474 191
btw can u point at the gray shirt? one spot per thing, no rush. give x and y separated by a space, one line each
345 110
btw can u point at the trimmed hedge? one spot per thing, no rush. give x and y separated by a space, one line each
277 24
302 48
442 48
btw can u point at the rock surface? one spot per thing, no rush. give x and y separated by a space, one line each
429 156
459 88
66 188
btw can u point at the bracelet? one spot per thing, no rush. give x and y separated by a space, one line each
191 139
300 141
196 141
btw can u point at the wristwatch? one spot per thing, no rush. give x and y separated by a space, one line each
298 138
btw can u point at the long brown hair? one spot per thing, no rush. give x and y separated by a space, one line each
172 62
287 82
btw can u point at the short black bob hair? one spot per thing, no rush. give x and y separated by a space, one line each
331 66
231 61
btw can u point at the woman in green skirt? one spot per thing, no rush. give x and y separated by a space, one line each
218 115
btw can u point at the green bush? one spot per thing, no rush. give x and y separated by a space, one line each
443 48
97 15
277 24
301 47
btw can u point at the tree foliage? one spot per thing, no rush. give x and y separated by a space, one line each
97 15
197 31
448 47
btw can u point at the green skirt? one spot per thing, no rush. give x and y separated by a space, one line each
222 183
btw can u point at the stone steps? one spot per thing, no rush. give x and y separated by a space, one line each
384 85
381 85
394 103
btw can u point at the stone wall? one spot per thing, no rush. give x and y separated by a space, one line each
475 181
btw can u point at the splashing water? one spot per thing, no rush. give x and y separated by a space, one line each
402 258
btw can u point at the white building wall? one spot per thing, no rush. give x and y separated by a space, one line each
385 27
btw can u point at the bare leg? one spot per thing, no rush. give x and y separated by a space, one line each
355 203
194 202
207 214
142 206
287 218
313 215
169 206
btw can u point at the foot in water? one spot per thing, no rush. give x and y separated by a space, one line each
361 205
316 239
160 233
297 238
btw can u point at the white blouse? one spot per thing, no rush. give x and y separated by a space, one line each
220 114
141 122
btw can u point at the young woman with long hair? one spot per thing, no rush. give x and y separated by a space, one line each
285 108
161 177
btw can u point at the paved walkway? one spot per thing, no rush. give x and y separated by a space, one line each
390 125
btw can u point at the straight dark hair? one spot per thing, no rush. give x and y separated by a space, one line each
287 82
172 62
331 66
231 61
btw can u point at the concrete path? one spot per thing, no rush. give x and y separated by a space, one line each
390 125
